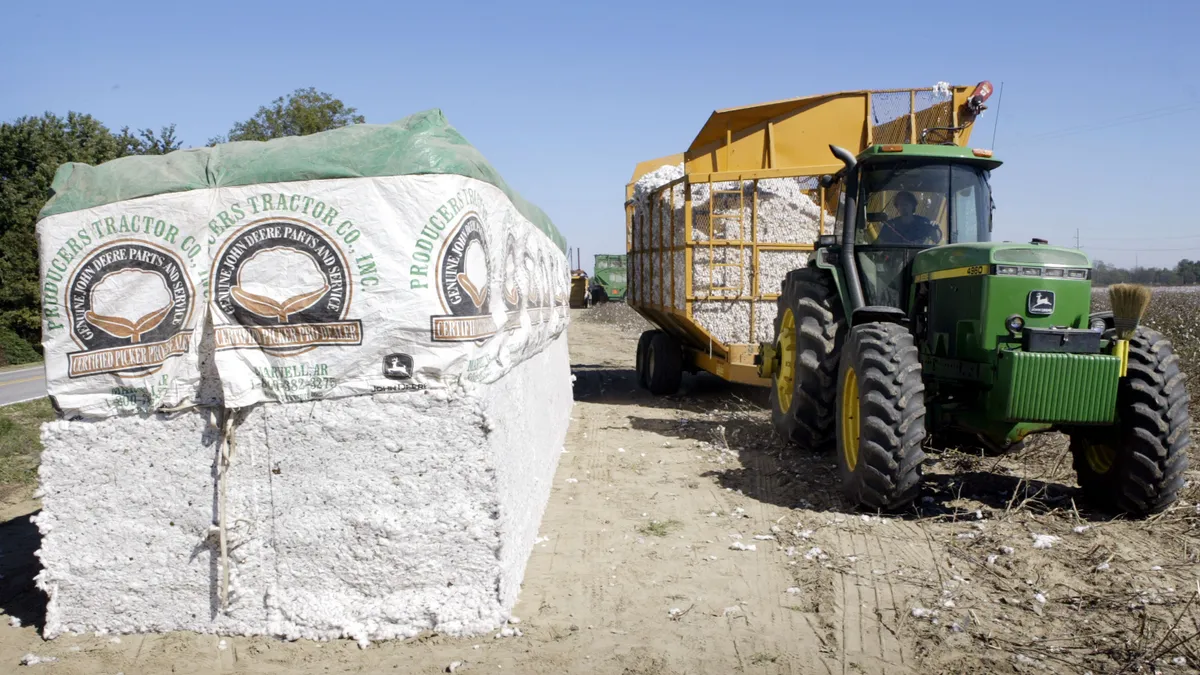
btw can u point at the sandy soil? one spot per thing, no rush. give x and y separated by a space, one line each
643 568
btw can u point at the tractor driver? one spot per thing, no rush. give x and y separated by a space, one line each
908 227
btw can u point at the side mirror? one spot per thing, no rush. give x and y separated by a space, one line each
827 240
876 217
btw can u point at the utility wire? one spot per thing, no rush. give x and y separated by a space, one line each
1182 236
996 124
1143 116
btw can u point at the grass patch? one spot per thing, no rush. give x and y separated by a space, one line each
20 441
659 528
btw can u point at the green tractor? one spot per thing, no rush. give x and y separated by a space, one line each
608 279
912 323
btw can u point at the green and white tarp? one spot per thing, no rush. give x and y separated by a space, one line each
372 258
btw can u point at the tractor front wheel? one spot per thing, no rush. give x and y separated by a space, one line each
1137 468
880 417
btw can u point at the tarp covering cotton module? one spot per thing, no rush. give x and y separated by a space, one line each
372 258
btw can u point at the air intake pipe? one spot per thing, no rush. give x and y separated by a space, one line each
849 227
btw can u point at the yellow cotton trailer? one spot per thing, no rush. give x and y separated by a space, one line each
712 232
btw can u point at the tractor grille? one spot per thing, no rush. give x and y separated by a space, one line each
1056 387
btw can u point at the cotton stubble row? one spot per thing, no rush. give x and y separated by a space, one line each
785 214
298 398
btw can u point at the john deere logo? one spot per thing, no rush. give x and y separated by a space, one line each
130 304
398 366
1040 303
286 288
464 280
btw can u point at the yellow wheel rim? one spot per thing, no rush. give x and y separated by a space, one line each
1100 457
785 379
850 418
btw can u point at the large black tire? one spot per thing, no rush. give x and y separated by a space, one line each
664 365
643 348
819 328
599 296
1144 474
880 417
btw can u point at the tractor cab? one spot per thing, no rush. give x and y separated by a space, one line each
905 199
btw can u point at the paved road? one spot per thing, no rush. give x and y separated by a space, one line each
22 385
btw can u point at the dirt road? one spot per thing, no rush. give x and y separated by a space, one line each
682 537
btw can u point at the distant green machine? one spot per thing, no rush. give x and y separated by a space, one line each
608 279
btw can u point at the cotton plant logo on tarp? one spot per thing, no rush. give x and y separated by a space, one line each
130 307
286 287
464 275
512 289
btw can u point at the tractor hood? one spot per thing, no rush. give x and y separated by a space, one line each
980 258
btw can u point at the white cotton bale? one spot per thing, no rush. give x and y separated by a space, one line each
367 517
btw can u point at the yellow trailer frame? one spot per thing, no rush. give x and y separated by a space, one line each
781 139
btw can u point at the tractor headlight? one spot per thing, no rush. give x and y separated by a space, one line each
1008 270
1098 324
1077 274
1014 324
1054 272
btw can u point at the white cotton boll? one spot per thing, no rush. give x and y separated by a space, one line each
128 303
739 546
280 274
1044 541
1007 550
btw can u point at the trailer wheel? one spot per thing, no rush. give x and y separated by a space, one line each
1140 473
599 296
809 331
643 347
664 365
881 417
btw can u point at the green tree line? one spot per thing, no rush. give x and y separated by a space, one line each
33 147
1185 273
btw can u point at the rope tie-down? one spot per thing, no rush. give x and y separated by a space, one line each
226 422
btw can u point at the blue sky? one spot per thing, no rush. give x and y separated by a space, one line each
1100 100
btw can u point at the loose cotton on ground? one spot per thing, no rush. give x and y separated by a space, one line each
301 397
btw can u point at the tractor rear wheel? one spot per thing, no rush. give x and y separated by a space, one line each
643 348
664 365
599 296
1137 468
881 417
809 330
